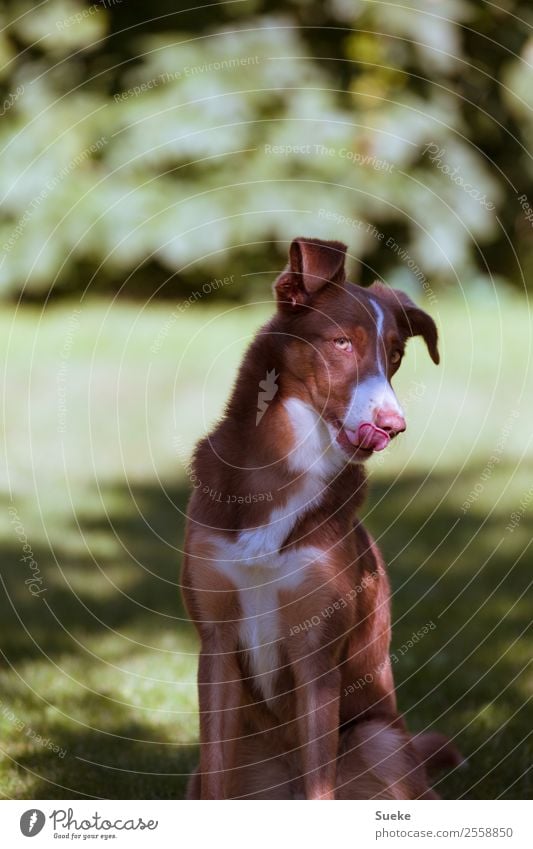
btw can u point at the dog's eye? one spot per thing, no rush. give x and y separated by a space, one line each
343 344
395 357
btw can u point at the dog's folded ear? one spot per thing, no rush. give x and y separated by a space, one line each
412 321
312 264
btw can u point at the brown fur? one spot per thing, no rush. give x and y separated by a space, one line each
375 761
314 693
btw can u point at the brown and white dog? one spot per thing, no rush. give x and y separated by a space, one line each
286 588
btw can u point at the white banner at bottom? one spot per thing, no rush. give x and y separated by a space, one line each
264 824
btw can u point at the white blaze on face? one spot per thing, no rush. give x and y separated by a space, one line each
374 392
380 318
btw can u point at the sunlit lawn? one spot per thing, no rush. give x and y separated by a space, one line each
100 411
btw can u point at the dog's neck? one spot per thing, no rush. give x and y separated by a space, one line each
255 467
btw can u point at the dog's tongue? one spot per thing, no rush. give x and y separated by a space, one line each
368 436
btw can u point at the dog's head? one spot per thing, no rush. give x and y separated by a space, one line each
343 344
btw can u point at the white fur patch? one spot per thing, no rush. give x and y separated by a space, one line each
258 585
380 318
316 458
254 564
259 545
314 450
372 393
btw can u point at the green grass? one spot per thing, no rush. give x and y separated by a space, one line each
102 664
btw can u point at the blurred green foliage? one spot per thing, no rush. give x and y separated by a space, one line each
150 148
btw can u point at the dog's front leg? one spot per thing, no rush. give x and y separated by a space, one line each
220 689
317 702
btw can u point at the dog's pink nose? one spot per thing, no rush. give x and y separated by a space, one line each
391 421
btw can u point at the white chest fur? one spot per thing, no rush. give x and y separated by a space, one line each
259 582
254 563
